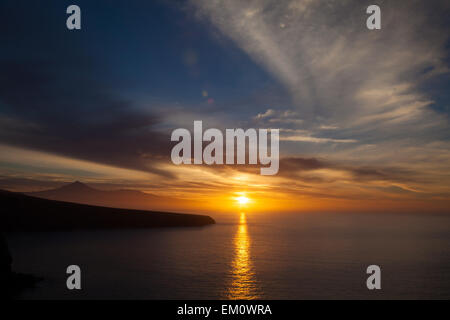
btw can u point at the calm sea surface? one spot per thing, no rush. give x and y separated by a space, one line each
244 256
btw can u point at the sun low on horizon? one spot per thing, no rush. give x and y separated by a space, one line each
242 200
381 145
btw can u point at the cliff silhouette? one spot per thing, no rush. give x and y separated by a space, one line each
22 212
26 213
12 283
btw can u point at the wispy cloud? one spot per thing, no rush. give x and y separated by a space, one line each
353 90
315 139
336 70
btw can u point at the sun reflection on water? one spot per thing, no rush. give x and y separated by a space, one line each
243 283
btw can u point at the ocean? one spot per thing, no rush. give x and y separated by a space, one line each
246 256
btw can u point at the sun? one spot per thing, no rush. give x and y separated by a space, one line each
242 200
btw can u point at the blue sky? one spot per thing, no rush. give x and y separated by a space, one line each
142 50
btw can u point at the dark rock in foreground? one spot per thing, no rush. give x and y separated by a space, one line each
25 213
5 258
12 283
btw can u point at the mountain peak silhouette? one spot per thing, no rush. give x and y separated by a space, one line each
76 186
79 192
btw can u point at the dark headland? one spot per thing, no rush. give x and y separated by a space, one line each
21 212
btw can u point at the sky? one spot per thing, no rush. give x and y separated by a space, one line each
363 114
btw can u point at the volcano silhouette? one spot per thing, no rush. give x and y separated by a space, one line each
79 192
